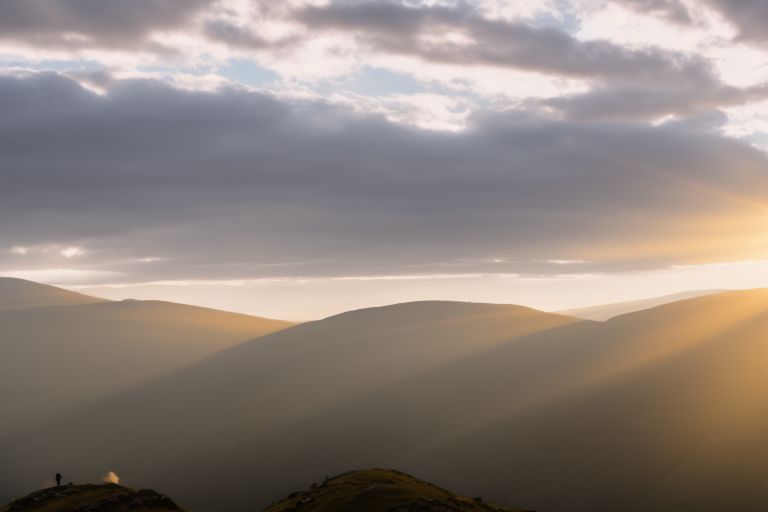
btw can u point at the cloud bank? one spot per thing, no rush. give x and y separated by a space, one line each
231 140
152 181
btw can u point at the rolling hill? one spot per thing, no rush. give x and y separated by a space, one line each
657 410
604 312
53 359
20 294
661 409
184 428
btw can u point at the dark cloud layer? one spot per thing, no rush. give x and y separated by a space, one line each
627 83
236 184
91 23
241 37
673 10
397 28
749 16
627 102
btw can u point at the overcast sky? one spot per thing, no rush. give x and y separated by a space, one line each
299 158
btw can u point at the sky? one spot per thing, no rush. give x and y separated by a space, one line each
301 158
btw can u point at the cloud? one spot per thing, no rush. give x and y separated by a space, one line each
624 82
63 276
750 17
236 36
461 35
71 252
683 100
92 23
243 37
672 10
537 48
234 184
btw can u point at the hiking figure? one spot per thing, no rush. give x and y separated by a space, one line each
58 479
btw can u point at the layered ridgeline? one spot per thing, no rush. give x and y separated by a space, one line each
20 294
55 358
605 312
662 409
92 498
200 431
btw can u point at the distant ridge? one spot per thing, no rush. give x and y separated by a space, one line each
20 294
604 312
255 389
57 357
659 409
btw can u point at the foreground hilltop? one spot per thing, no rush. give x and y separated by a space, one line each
373 490
380 490
92 498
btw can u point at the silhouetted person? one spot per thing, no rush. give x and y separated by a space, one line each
58 479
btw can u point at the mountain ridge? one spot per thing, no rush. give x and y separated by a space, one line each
53 358
18 293
604 312
641 412
280 378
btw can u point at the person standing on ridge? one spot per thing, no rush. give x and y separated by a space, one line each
58 479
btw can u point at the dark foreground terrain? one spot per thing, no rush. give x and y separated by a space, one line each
373 490
92 498
380 490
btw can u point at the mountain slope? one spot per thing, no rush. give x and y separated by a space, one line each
657 410
184 428
604 312
53 359
20 294
92 498
661 409
379 490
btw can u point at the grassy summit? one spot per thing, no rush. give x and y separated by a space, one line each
92 498
380 490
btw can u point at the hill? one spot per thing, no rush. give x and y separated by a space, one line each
20 294
660 409
655 410
92 498
201 428
380 490
53 359
604 312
